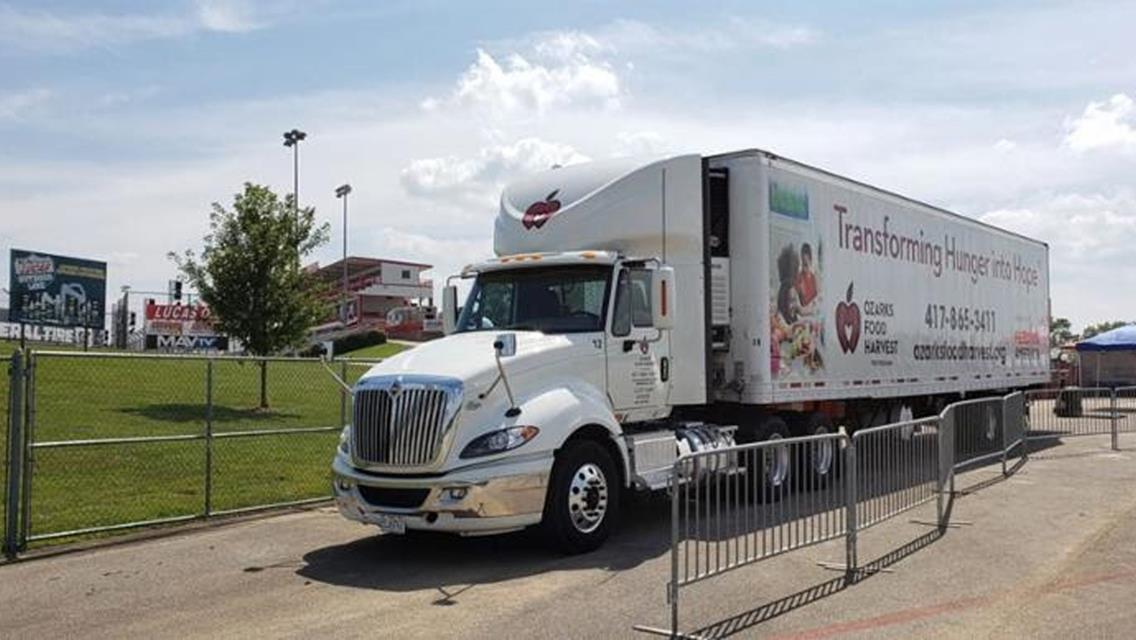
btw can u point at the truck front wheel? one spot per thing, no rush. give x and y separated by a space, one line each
583 497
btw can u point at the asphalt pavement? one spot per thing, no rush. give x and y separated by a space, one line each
1049 552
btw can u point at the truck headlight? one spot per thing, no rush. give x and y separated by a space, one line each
345 441
498 441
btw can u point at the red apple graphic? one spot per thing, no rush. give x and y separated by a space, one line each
848 322
539 212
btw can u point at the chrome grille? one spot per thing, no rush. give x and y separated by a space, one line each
399 423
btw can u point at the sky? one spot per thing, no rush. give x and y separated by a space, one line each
121 122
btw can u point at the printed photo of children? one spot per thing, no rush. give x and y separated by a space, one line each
797 327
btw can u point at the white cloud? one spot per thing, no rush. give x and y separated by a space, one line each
1005 146
228 16
40 30
1111 123
569 46
1094 228
479 178
560 71
14 106
638 143
1091 236
636 37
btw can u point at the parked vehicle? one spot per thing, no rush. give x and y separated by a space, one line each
635 312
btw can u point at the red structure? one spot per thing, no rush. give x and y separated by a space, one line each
383 295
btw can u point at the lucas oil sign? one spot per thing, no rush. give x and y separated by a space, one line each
175 327
47 289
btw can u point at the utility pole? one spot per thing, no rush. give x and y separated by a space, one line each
341 192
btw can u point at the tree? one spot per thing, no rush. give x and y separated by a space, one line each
1060 332
250 276
1097 329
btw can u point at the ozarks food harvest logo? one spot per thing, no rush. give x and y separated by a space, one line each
540 211
848 322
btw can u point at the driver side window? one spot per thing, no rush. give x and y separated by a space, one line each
632 302
621 314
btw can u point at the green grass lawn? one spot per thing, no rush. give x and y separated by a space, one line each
385 350
88 397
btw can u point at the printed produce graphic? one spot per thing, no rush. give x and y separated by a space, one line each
848 322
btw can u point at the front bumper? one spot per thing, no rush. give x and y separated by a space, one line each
481 499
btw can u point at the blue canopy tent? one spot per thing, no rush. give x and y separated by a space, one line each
1109 359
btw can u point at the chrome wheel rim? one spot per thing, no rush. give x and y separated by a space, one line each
822 453
777 462
587 498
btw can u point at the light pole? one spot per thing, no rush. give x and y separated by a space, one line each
341 192
292 139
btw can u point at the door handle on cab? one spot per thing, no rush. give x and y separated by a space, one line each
628 345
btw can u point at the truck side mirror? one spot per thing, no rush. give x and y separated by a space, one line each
449 309
663 298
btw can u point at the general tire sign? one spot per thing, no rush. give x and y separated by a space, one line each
47 289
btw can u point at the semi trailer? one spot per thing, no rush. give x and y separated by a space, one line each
635 311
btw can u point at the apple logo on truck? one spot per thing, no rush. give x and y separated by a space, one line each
848 322
539 212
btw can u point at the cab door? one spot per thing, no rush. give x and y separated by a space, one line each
638 354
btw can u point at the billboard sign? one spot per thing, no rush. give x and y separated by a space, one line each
47 289
182 328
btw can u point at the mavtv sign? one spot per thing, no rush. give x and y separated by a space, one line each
187 343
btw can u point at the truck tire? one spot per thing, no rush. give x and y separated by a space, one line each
773 474
819 462
583 498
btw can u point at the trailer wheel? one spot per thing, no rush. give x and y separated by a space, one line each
772 466
582 499
818 462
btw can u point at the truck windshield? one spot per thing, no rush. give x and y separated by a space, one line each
551 300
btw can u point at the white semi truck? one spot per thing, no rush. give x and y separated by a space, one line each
636 311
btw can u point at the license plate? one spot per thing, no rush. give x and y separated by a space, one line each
390 523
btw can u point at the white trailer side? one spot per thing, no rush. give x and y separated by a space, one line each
841 290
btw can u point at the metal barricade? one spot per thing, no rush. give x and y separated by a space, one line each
1070 411
977 430
736 506
1124 409
1014 428
897 469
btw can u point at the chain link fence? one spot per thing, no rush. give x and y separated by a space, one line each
115 441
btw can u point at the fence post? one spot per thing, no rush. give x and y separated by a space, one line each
850 519
343 394
946 464
14 453
940 511
1005 426
1112 411
27 453
208 437
672 588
